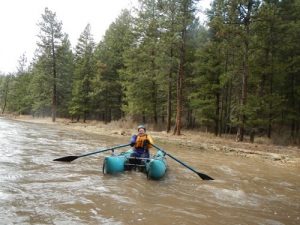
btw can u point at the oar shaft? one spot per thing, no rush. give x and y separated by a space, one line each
177 160
182 163
203 176
104 150
73 157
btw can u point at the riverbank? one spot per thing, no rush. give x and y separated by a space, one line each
189 139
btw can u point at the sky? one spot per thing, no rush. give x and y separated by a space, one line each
19 18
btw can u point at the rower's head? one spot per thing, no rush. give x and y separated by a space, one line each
141 129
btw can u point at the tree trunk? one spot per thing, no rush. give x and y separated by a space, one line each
189 119
154 88
5 94
270 104
245 74
181 67
217 116
169 106
292 104
154 105
227 99
180 77
144 118
221 116
84 117
169 100
252 134
54 91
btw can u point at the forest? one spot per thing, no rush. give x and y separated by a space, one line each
238 73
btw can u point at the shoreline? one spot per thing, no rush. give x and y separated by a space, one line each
287 155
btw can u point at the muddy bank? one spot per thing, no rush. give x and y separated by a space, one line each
288 155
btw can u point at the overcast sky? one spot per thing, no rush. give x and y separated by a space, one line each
19 18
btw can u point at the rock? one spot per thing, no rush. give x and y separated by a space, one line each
275 157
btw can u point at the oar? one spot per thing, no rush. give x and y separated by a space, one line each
203 176
73 157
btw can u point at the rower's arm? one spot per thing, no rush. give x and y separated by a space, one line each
150 141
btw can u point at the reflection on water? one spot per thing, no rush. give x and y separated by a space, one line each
36 190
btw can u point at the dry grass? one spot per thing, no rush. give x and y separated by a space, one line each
123 124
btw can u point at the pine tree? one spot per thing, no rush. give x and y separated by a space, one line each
41 87
50 40
289 51
108 92
85 69
4 91
65 73
184 20
140 76
20 100
168 58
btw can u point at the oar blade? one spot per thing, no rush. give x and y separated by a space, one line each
66 158
204 176
73 157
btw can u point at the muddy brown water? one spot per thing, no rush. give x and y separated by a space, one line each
36 190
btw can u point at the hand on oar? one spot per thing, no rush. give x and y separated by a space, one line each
73 157
203 176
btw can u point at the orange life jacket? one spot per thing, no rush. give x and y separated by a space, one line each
139 143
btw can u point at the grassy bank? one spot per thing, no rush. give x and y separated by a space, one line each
189 139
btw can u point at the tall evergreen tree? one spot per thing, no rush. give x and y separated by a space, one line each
85 70
169 10
141 73
289 51
185 19
41 87
50 40
4 91
264 70
108 92
20 100
65 73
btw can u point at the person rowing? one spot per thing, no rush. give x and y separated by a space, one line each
141 144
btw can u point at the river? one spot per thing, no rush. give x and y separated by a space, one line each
34 189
